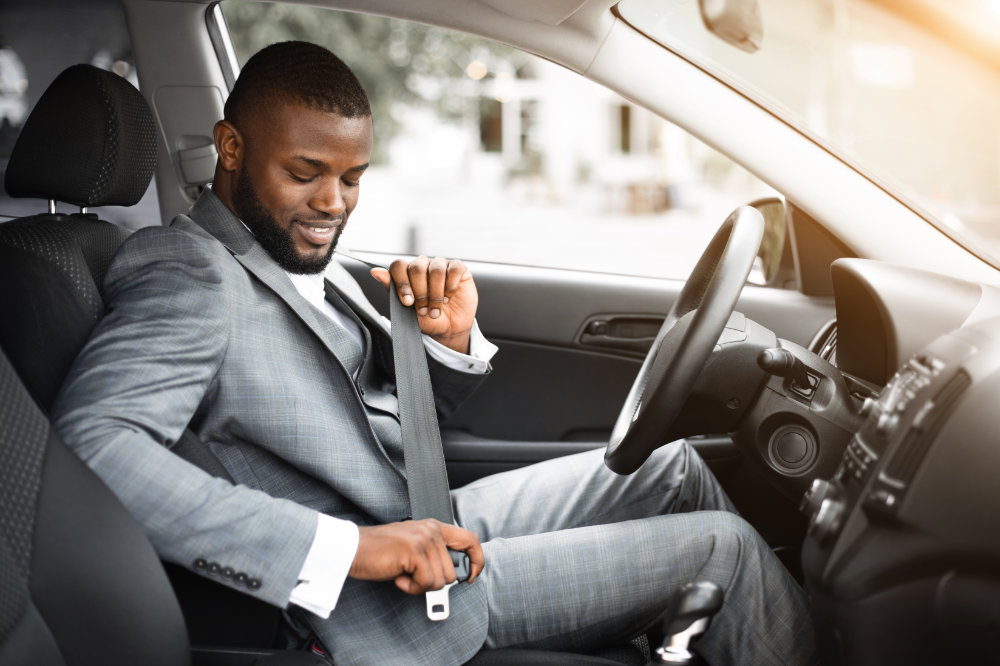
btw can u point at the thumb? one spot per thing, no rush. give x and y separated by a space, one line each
381 275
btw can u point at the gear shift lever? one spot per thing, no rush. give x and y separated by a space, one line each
690 612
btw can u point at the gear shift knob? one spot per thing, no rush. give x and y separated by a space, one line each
688 616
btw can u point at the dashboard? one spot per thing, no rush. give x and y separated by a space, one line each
902 556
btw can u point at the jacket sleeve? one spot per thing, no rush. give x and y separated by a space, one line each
133 390
451 387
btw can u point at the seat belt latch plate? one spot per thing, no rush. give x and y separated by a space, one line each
437 603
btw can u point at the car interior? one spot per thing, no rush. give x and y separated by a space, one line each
846 404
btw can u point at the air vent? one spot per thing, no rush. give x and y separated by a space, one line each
824 344
914 446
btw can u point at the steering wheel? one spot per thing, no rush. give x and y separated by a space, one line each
685 341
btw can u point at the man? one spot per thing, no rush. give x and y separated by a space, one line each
223 322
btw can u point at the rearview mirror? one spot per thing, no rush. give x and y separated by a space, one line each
736 22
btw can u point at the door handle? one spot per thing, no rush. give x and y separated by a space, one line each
630 333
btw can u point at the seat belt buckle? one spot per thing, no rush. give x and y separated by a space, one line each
437 600
461 562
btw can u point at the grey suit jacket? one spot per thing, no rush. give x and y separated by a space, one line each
205 329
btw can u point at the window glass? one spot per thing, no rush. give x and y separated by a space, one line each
907 91
33 51
486 153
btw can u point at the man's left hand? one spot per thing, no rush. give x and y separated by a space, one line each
443 292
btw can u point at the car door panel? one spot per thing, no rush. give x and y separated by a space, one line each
556 379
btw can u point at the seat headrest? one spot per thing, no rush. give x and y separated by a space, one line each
90 141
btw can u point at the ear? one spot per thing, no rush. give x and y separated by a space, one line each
229 144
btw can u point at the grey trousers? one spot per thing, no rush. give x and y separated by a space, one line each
578 557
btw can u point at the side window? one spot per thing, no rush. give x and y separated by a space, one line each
33 51
487 153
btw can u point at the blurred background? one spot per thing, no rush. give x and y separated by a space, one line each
483 152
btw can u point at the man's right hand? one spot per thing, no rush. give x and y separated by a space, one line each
414 554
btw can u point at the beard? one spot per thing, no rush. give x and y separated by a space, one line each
277 241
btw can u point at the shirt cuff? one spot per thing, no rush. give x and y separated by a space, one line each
477 360
326 566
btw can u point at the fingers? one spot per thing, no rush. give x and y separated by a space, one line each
425 283
381 275
463 540
400 275
414 554
432 569
436 274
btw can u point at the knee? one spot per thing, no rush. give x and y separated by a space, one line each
672 460
731 526
736 541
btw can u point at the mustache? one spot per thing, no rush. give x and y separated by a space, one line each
338 219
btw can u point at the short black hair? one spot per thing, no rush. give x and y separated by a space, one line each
297 71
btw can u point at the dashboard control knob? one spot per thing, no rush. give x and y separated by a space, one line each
820 490
867 406
887 422
828 520
783 363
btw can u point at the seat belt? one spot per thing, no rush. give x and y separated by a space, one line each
423 455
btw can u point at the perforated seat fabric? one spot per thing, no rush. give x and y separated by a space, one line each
89 141
52 266
79 582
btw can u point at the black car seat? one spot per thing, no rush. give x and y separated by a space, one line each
79 583
90 141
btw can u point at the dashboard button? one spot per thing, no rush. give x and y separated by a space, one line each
887 422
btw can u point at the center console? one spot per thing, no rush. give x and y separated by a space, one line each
902 557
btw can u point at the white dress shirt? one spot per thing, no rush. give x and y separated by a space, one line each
336 541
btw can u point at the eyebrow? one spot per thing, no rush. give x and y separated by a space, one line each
320 164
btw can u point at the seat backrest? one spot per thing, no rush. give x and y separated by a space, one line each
89 141
79 581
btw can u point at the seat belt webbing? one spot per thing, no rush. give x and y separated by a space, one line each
426 478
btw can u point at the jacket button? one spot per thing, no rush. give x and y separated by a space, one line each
228 572
253 584
200 563
240 578
214 567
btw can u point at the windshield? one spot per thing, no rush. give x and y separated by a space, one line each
909 92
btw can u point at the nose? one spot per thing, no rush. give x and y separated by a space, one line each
328 198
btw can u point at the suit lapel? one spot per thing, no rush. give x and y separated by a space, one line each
350 291
377 335
210 215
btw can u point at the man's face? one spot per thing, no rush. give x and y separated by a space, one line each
299 181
